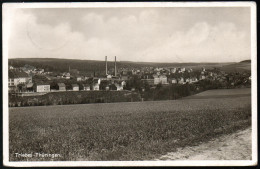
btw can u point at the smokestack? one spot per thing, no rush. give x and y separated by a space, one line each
115 65
106 65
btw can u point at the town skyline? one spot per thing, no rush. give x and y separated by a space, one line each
111 59
133 34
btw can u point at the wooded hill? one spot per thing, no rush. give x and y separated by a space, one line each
89 66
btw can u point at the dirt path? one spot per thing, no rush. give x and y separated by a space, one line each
236 146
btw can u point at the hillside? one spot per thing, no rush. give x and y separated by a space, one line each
237 67
61 65
246 61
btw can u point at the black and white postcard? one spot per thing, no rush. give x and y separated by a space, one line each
130 84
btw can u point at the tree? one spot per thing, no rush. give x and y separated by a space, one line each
134 82
21 87
146 86
112 87
103 85
159 86
40 79
80 85
54 85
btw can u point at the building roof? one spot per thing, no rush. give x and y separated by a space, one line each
95 80
118 85
17 74
86 85
155 76
148 80
61 85
162 76
29 85
75 85
40 84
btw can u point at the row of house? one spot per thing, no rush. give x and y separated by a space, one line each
43 87
31 69
17 77
162 79
19 81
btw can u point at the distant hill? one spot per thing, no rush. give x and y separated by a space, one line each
246 61
238 67
62 65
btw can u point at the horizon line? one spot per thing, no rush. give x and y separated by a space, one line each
129 61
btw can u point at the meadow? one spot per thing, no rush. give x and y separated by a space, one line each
123 131
221 93
225 92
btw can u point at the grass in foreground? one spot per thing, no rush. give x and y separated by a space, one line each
124 131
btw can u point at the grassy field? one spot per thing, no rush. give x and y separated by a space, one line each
221 93
123 131
225 92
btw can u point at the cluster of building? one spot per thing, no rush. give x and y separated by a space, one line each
21 79
16 78
30 70
164 80
25 85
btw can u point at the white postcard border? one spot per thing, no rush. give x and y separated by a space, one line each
7 8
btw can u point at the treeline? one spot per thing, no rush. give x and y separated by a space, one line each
60 65
176 91
78 97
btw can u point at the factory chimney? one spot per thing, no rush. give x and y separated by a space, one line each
115 65
106 65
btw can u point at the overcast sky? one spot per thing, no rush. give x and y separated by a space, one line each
173 34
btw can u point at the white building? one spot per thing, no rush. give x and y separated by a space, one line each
174 81
119 87
86 87
202 77
79 79
98 80
109 76
160 79
173 70
43 88
18 77
123 83
181 80
193 80
38 71
62 86
95 86
75 87
66 75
